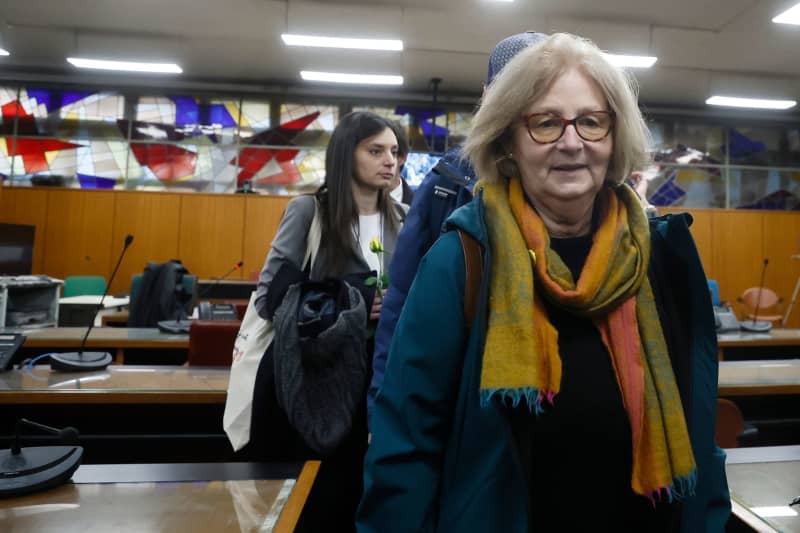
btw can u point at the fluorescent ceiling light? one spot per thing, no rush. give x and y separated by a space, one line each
4 52
790 16
756 103
631 61
128 66
361 79
393 45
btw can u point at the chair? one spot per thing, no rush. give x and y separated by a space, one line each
211 342
767 302
731 430
84 285
189 285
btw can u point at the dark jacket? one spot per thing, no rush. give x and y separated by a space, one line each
289 246
440 462
447 186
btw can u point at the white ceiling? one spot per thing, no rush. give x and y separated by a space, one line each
703 46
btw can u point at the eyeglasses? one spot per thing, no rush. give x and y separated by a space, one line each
546 128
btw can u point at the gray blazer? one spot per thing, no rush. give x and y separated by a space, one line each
289 245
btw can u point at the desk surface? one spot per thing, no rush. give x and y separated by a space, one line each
196 504
115 384
182 384
105 338
776 337
761 479
750 378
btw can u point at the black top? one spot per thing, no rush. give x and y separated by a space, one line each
580 447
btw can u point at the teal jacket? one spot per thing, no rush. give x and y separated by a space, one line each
439 461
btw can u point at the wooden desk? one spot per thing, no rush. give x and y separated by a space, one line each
116 385
185 385
116 339
759 378
764 477
195 498
776 337
777 344
130 413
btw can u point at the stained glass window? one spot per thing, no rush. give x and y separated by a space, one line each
187 142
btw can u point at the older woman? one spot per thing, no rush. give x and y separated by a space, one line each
582 396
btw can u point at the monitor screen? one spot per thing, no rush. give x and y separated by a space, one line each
16 249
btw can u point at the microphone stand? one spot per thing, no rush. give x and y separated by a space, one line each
208 288
755 326
24 470
81 361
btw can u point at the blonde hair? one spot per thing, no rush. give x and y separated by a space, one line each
526 78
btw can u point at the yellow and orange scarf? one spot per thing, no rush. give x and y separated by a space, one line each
520 357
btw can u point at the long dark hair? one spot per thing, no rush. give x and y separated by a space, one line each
337 203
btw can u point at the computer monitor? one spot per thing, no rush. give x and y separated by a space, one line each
16 249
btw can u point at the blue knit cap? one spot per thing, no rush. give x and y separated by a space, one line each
506 49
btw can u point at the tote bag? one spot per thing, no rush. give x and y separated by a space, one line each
254 337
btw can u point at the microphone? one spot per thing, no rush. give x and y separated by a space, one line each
24 470
757 326
81 361
209 288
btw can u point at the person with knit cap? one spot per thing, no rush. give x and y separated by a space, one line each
582 395
447 186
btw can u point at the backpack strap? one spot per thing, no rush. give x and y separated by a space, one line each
473 266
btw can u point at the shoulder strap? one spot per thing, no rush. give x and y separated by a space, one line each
474 271
313 238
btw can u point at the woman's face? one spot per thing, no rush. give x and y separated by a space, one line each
375 160
571 168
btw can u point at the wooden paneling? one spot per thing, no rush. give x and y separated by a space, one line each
262 216
77 236
153 220
781 241
81 232
211 230
27 206
738 253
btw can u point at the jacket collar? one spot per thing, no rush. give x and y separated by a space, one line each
471 218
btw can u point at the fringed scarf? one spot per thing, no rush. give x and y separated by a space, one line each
521 359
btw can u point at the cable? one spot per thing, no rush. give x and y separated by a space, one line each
31 362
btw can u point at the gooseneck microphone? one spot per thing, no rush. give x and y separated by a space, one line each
210 287
755 325
81 361
24 470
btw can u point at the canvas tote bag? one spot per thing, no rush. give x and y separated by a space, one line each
254 337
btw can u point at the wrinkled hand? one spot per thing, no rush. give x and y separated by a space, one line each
377 302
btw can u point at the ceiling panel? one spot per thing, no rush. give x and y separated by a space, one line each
731 42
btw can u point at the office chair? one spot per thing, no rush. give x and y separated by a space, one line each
84 285
731 430
211 342
765 300
189 285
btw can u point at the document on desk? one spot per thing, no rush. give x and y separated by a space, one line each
111 305
109 302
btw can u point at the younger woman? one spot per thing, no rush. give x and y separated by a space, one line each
353 207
